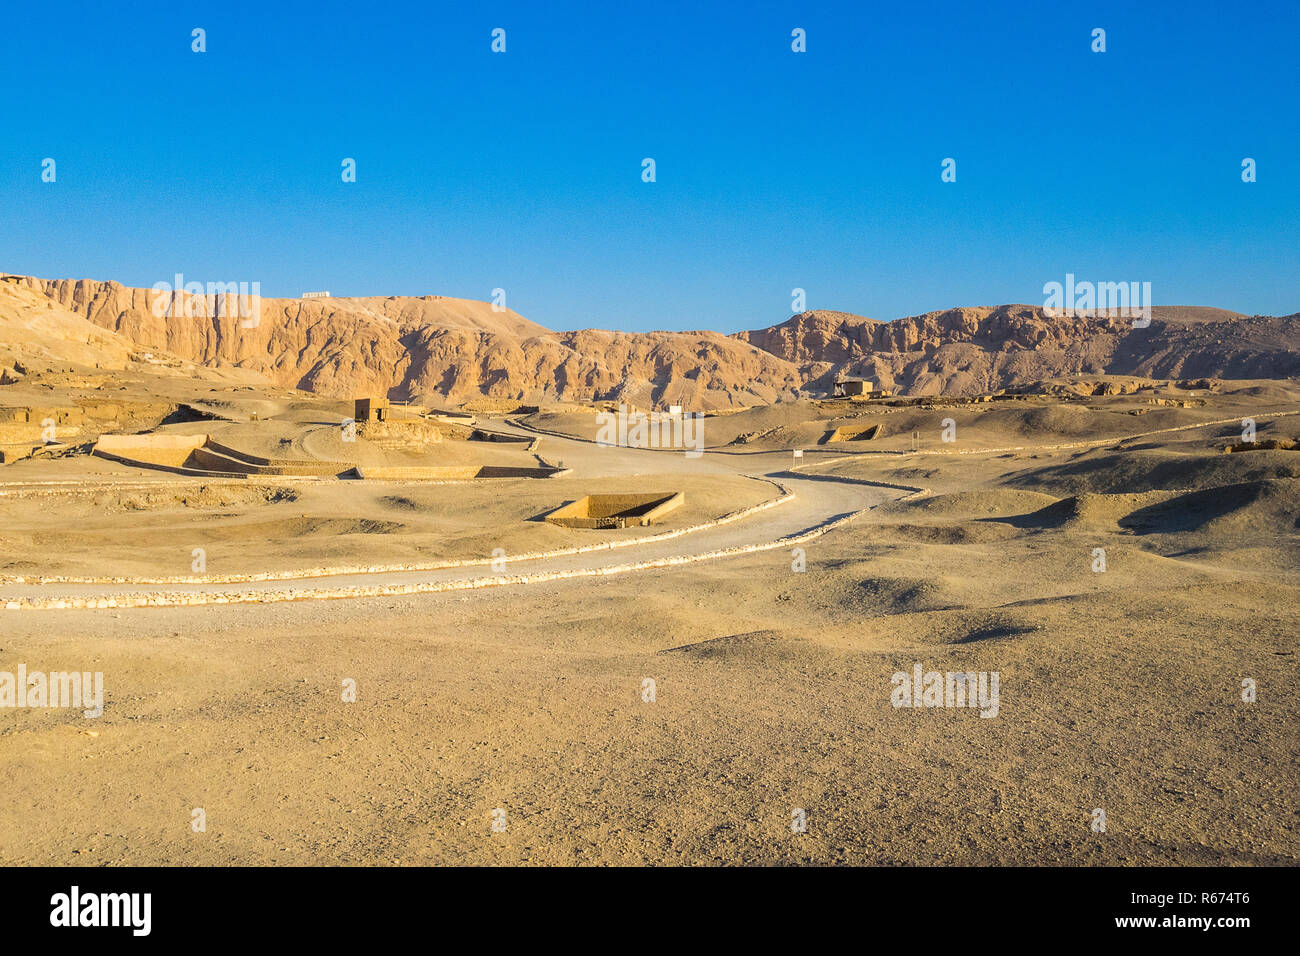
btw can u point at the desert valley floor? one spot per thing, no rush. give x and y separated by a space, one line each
501 711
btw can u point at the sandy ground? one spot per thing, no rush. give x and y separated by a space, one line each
151 529
525 705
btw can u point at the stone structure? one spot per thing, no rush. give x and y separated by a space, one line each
848 387
371 410
616 511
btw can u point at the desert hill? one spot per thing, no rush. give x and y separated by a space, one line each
431 347
39 335
32 331
970 351
437 349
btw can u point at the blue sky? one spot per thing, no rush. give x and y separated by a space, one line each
775 170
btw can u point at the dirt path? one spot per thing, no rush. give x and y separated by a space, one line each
811 506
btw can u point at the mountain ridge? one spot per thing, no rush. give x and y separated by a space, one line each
437 348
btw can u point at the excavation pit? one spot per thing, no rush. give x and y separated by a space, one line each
854 433
616 511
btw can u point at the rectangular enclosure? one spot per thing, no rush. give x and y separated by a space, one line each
855 433
616 511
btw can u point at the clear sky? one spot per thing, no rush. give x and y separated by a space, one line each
775 169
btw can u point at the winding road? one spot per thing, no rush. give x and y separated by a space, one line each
803 507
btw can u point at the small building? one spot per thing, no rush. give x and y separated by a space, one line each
371 410
848 387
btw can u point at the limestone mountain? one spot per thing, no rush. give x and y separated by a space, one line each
968 351
430 348
445 350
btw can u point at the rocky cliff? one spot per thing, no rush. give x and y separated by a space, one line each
433 348
429 348
975 350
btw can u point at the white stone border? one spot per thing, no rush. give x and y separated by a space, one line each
203 598
200 598
343 571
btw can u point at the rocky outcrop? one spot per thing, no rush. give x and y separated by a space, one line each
430 347
971 351
35 332
436 349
